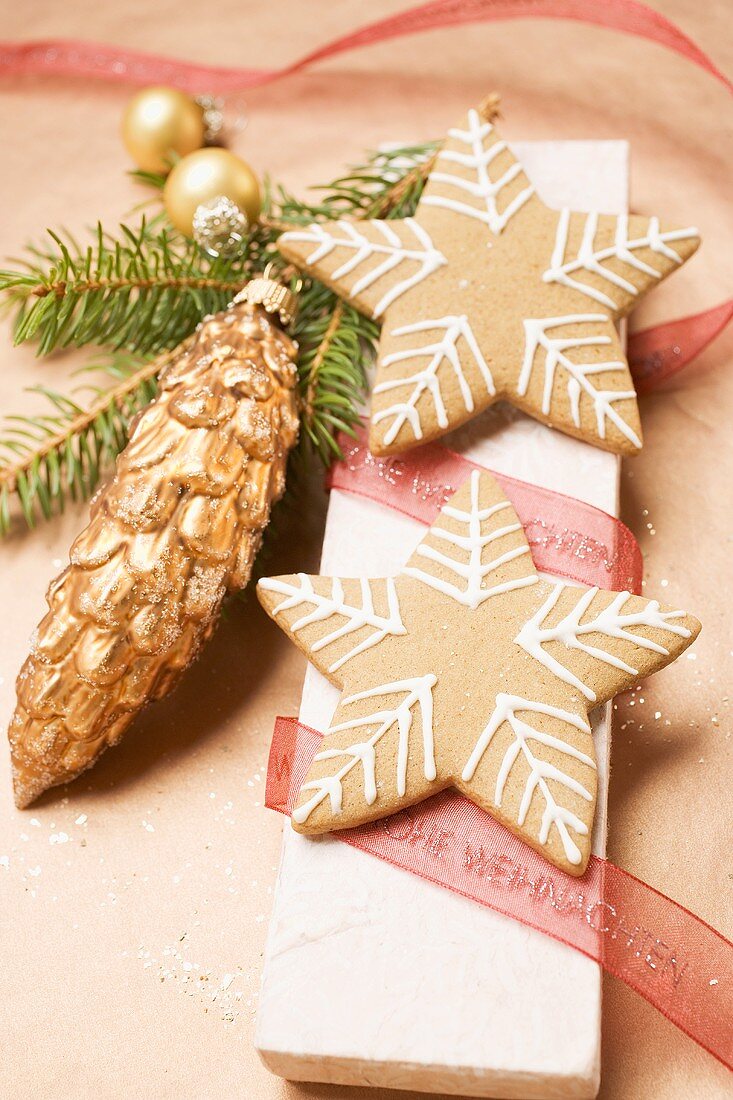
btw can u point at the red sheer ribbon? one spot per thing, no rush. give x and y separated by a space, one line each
674 959
568 537
654 354
89 59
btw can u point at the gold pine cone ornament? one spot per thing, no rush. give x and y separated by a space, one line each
175 530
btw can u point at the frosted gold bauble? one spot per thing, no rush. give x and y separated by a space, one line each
204 176
159 124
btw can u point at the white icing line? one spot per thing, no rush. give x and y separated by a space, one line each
536 333
324 607
419 691
483 188
425 255
507 709
591 260
610 622
474 571
427 379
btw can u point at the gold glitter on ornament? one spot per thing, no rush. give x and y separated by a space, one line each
176 529
219 227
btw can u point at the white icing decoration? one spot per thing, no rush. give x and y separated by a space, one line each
324 607
473 570
482 190
591 260
579 374
428 379
417 692
395 252
610 621
540 771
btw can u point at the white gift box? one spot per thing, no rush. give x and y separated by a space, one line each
372 975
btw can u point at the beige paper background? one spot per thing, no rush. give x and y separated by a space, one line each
107 924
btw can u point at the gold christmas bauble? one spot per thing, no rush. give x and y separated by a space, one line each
160 122
205 175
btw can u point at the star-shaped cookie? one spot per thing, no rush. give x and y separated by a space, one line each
487 294
469 670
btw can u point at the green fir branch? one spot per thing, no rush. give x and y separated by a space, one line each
388 185
63 451
334 341
143 290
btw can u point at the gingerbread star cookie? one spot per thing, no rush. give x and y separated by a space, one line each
468 670
487 294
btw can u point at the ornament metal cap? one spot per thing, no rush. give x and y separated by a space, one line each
271 295
213 112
